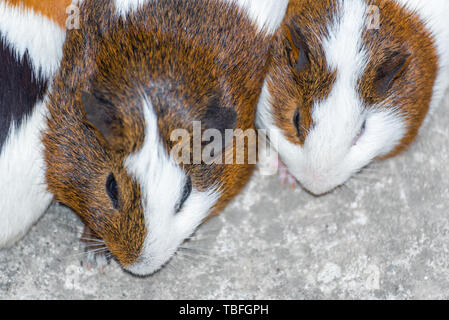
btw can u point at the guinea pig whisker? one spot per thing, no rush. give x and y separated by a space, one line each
375 165
65 224
92 243
190 253
344 189
195 249
365 182
208 235
441 132
173 264
340 190
190 259
206 232
182 259
179 254
363 175
96 249
366 179
171 267
85 253
368 168
198 239
345 186
368 174
92 240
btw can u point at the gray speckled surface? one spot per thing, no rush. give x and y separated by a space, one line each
385 236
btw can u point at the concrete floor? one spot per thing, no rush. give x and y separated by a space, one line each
385 236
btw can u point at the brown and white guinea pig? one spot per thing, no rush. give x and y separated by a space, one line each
133 73
351 81
31 41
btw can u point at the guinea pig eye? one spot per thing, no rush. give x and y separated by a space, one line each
297 122
112 190
185 194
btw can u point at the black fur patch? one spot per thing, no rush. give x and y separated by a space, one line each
220 118
20 89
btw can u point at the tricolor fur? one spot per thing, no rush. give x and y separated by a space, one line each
342 92
130 76
30 51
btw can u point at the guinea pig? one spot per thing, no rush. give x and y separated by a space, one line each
351 81
31 41
131 75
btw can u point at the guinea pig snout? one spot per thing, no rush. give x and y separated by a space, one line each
147 264
319 181
141 268
317 190
316 184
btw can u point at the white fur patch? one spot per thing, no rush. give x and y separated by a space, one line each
162 182
267 14
24 196
123 7
329 156
25 30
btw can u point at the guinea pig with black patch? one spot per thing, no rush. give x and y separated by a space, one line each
31 41
352 81
133 73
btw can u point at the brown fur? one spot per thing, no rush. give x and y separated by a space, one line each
53 9
183 61
400 31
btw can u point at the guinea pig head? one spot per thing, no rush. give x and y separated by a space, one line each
351 81
109 143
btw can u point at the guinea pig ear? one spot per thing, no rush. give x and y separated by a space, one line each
394 66
219 118
100 114
299 55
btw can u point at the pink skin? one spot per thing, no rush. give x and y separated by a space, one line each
284 175
96 255
95 260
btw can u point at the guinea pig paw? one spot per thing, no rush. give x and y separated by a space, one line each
94 258
96 253
97 260
284 175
